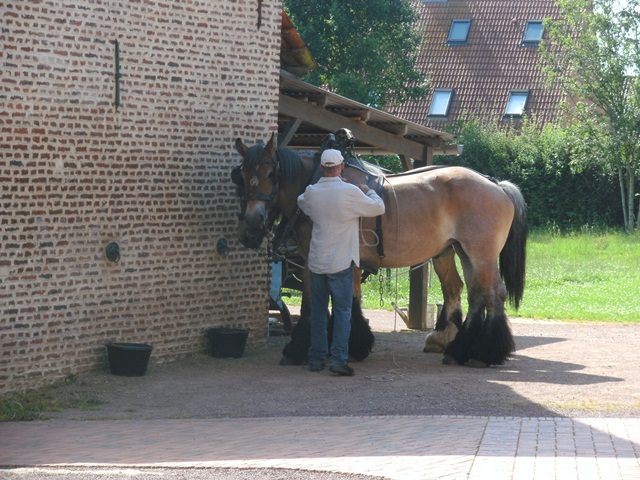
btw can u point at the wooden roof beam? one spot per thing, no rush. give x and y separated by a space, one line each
289 131
365 134
357 115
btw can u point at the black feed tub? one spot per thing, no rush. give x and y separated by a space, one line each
128 359
227 342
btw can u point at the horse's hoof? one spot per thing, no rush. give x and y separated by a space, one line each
449 360
433 349
473 363
287 361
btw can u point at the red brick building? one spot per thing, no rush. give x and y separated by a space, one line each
117 125
117 214
482 58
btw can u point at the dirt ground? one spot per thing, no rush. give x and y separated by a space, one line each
559 369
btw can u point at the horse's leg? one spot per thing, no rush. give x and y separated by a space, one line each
494 342
296 351
485 337
450 318
458 350
361 339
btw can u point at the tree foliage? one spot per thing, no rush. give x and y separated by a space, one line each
366 50
593 53
538 160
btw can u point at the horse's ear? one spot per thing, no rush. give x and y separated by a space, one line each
270 149
236 176
328 141
241 148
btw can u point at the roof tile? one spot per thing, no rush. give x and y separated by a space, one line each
489 66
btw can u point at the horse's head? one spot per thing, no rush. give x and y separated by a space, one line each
257 182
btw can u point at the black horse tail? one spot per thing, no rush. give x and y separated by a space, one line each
514 253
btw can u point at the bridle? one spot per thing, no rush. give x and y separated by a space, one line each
250 192
254 194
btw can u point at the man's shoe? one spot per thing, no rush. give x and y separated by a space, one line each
316 367
342 370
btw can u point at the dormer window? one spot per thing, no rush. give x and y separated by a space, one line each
440 102
459 32
532 33
517 103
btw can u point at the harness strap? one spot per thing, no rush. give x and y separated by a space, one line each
282 234
380 246
298 216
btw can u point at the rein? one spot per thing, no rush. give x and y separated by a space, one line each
298 217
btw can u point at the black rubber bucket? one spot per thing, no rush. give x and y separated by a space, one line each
128 359
227 342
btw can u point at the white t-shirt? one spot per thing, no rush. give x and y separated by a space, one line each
334 207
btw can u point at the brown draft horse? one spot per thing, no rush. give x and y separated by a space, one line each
431 213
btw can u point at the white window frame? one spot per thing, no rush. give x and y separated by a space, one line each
516 103
441 95
527 38
459 41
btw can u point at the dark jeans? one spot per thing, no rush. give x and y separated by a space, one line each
338 286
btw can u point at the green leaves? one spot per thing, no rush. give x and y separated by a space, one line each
562 183
366 50
592 52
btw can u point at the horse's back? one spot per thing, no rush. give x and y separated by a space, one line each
447 191
432 209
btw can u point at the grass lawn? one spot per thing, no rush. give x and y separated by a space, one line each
582 276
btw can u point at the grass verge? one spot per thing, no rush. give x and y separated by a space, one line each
586 276
36 404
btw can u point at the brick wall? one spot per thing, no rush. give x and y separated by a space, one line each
152 175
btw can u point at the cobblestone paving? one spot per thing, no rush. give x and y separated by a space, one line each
394 447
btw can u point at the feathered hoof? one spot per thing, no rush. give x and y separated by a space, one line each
433 349
434 342
449 360
473 363
286 361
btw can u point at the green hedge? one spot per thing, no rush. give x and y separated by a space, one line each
539 161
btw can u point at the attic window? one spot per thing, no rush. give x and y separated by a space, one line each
517 103
532 33
441 102
459 32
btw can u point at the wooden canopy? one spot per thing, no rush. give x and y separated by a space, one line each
307 113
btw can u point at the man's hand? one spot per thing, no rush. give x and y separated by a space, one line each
364 188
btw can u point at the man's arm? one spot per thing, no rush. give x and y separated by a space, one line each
374 205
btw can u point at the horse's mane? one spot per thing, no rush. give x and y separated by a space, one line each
289 160
290 164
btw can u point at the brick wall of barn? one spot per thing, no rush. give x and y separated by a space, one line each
152 175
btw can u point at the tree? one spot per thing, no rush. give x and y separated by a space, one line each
593 53
366 50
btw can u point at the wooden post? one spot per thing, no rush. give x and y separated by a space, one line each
418 283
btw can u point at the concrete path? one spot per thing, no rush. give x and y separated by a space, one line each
394 447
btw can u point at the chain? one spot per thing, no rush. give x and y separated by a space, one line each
381 287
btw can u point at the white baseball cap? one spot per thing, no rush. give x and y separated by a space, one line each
331 158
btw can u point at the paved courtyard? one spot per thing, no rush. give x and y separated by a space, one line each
394 447
565 407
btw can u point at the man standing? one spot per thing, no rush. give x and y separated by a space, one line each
334 207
